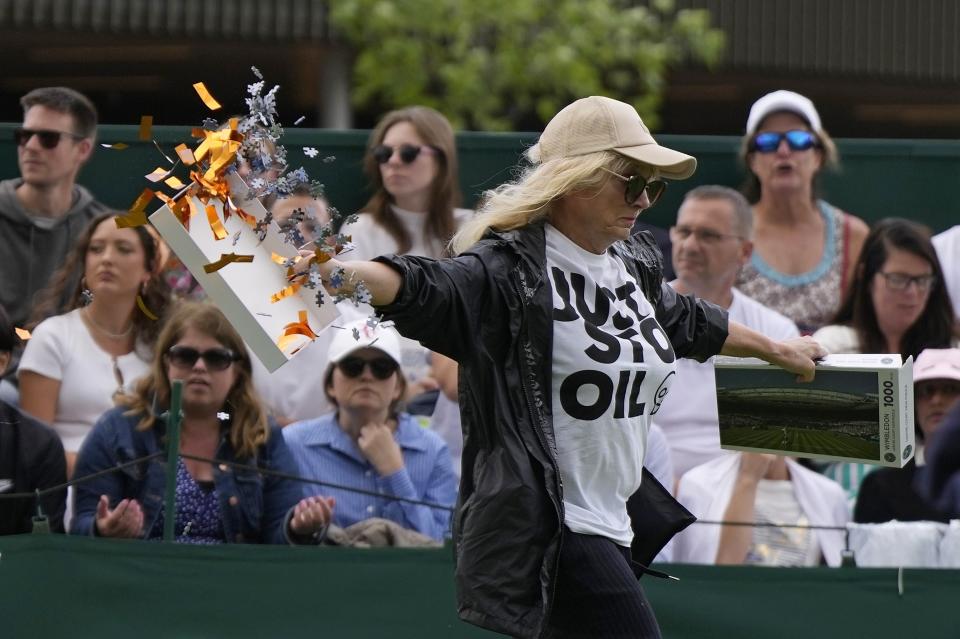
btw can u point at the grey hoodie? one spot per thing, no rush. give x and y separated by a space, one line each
29 252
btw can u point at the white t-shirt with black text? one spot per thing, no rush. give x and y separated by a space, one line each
612 367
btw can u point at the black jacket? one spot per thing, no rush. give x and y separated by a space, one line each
31 457
888 493
491 310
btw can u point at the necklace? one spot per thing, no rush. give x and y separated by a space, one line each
93 323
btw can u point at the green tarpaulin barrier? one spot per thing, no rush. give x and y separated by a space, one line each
57 586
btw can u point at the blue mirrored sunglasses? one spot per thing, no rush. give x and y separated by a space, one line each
798 140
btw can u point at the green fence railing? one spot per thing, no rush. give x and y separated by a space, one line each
907 178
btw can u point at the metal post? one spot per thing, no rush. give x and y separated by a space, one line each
173 454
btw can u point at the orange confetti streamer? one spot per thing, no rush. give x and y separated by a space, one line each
215 224
184 211
174 182
226 258
284 293
22 333
246 217
116 146
158 174
146 127
204 94
136 214
186 154
300 327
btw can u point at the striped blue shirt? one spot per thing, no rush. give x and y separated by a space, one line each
324 452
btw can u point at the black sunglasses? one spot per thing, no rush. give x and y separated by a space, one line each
216 359
637 184
48 139
408 152
797 140
381 367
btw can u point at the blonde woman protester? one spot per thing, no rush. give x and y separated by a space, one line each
77 361
566 338
222 419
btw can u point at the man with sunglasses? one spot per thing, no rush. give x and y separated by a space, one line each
711 243
44 209
368 444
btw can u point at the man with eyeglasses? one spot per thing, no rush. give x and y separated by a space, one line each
711 242
44 209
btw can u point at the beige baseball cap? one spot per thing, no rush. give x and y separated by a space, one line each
597 123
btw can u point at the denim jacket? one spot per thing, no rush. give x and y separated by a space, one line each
253 508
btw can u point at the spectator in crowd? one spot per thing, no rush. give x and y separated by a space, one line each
711 243
368 443
805 249
290 391
947 245
101 343
31 457
44 209
897 303
412 164
93 341
938 482
763 489
221 419
888 493
550 293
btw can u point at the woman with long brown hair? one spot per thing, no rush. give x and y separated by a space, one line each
97 331
897 303
222 419
411 162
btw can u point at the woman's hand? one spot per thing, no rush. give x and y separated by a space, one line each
381 449
798 355
126 520
754 466
312 515
382 281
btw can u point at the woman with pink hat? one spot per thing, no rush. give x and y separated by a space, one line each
889 493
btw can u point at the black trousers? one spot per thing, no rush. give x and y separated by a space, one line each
597 593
